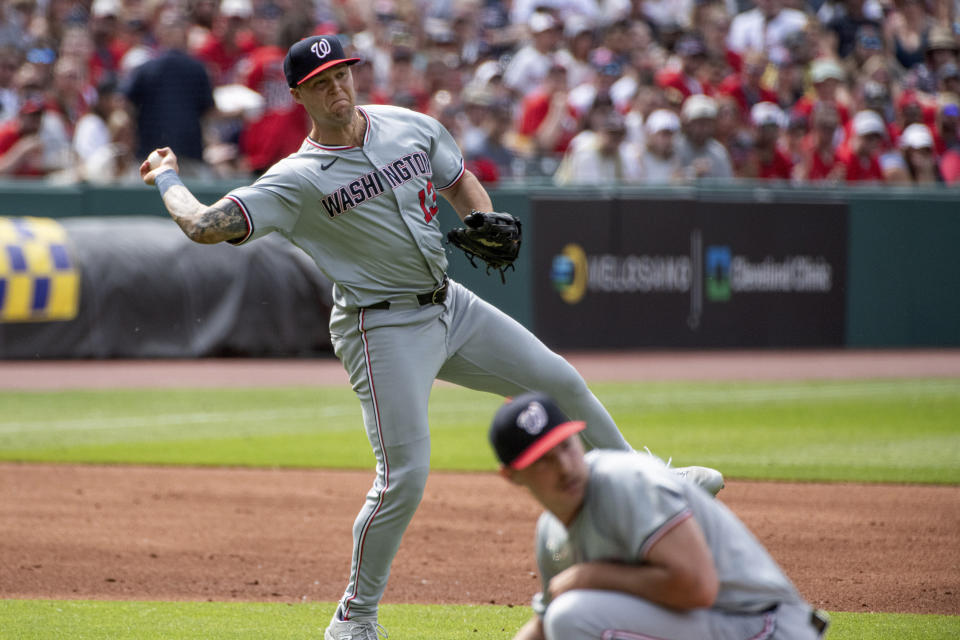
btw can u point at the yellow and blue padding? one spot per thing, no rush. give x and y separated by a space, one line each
39 278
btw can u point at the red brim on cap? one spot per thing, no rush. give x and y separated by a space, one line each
325 66
551 439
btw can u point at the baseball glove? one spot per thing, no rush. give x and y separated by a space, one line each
490 236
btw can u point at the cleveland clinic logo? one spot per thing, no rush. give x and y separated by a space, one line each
717 263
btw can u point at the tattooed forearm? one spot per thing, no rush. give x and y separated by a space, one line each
225 220
207 225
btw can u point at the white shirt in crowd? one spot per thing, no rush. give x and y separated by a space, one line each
750 30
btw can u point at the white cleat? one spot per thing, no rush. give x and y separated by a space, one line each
708 479
354 630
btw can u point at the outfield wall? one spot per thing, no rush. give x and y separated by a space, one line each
707 267
136 287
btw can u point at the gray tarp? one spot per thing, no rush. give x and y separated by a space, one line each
147 291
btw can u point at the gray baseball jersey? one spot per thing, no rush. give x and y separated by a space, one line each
631 501
367 217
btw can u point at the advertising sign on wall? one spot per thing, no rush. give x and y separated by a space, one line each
643 273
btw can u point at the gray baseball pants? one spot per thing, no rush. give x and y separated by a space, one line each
393 357
612 615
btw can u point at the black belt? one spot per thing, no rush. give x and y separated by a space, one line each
819 619
437 296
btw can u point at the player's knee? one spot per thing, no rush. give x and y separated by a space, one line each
563 617
407 485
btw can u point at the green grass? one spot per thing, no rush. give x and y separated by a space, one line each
867 430
872 431
886 626
95 620
99 620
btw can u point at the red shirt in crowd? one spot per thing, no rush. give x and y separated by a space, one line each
534 110
105 61
779 165
9 135
950 166
859 169
221 56
681 83
822 168
819 166
805 105
732 86
284 124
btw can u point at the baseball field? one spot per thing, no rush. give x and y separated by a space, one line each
215 499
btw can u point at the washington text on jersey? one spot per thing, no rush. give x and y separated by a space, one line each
370 186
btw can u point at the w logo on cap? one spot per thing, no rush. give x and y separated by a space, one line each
533 419
321 48
313 55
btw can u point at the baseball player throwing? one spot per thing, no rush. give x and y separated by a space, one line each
626 550
360 197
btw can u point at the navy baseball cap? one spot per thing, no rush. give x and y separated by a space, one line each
310 56
528 426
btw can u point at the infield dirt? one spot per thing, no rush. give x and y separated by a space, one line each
284 535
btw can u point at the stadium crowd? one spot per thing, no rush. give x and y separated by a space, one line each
573 91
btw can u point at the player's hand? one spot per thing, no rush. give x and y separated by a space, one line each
162 159
579 576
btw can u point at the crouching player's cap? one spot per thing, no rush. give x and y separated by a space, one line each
310 56
528 426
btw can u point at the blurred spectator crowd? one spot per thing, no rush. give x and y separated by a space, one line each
574 91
